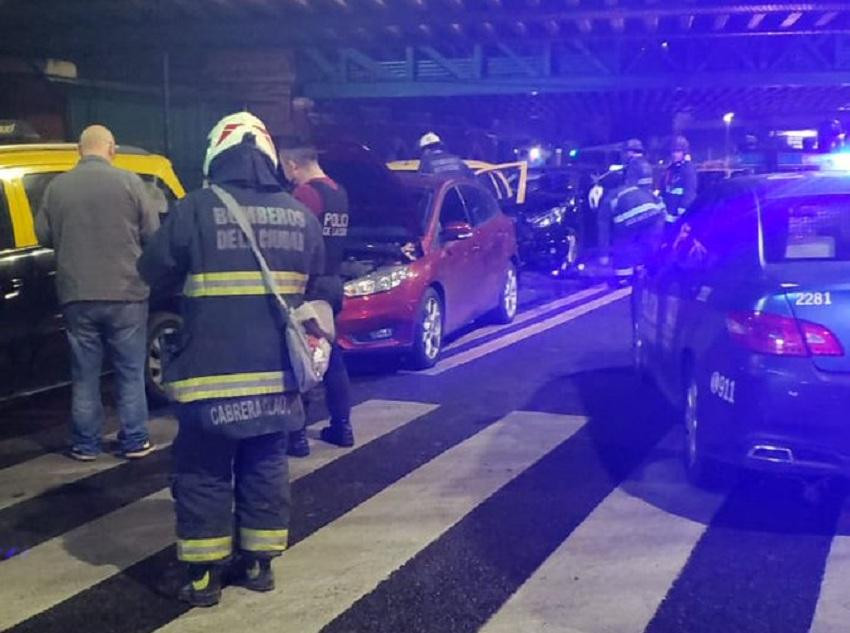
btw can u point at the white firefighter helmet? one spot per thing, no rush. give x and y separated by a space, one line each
231 130
430 138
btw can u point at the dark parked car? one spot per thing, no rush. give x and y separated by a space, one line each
745 322
549 222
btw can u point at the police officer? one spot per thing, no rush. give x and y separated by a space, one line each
680 182
230 374
631 218
437 160
328 201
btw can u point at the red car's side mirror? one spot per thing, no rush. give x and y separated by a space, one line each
454 231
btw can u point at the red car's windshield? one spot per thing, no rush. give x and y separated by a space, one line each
401 219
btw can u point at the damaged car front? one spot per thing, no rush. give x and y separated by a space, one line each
385 273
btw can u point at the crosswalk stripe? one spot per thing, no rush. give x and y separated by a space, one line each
324 574
35 477
523 333
759 563
616 567
832 613
66 565
528 315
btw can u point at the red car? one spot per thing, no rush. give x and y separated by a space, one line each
426 256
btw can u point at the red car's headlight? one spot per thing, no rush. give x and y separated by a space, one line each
381 280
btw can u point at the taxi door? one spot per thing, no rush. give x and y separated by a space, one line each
498 178
48 347
13 317
22 293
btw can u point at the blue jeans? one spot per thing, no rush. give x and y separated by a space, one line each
122 327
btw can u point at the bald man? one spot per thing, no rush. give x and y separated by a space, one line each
97 217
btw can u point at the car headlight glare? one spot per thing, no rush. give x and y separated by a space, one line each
381 280
549 218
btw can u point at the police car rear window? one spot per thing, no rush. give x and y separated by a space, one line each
815 228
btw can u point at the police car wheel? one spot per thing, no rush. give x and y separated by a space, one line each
700 470
508 297
160 326
428 334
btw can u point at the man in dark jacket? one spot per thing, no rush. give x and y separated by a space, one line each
437 160
328 201
97 217
231 376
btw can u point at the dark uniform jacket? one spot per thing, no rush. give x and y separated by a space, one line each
680 189
231 340
440 162
328 201
626 213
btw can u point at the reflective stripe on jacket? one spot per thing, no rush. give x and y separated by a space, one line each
231 343
242 282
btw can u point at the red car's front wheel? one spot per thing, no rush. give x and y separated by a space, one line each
428 335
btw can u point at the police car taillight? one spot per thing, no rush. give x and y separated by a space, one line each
820 341
778 335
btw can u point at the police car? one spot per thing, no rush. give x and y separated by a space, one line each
744 322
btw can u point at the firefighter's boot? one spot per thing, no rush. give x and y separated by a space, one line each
253 572
203 586
297 445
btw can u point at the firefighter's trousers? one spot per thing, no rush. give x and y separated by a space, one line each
229 493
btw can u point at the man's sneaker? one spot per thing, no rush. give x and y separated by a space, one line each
203 587
143 451
338 433
80 456
252 573
298 446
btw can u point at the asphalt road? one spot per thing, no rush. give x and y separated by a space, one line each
528 483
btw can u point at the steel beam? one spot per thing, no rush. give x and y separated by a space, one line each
575 84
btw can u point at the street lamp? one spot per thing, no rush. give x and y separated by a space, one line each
727 121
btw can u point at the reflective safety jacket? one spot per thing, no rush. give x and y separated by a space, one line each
627 212
440 162
231 343
680 189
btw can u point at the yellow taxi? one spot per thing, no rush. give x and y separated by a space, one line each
33 349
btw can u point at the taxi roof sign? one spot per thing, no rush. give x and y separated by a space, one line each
12 131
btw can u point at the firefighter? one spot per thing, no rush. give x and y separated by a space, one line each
680 182
437 160
229 373
631 219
